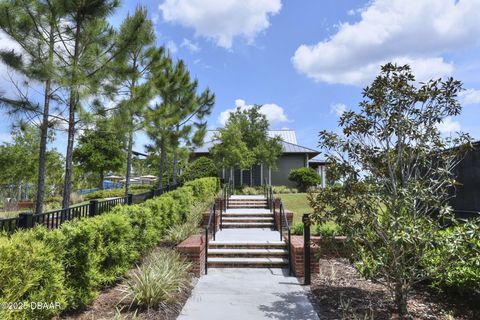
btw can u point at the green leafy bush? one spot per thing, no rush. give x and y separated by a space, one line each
297 228
160 278
305 178
283 189
70 264
204 189
117 249
111 193
454 260
146 227
202 167
30 272
327 229
81 259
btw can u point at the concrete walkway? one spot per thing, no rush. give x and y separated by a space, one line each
248 294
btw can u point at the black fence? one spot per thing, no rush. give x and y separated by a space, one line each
55 218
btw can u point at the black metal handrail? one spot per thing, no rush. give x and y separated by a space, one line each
283 218
207 229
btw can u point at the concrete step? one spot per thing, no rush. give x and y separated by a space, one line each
226 225
247 262
247 206
247 245
248 219
250 253
246 215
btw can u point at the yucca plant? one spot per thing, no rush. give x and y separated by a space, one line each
180 232
162 277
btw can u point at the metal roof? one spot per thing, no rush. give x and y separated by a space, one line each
286 135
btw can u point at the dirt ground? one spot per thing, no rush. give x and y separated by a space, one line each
341 293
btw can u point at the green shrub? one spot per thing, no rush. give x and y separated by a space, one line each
30 272
184 198
454 261
297 228
81 259
251 191
117 249
327 229
146 226
200 168
118 192
160 278
305 178
204 189
166 209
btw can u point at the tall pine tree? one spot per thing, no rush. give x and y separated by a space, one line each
31 24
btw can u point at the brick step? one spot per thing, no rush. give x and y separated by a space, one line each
247 262
247 245
251 253
247 219
227 225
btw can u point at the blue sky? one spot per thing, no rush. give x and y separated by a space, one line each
308 60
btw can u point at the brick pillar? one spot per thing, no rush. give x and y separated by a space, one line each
296 248
192 250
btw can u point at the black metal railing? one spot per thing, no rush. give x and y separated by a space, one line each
55 218
285 225
208 230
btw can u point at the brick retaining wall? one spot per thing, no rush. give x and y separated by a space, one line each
193 250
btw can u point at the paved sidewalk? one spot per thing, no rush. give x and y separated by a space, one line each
248 294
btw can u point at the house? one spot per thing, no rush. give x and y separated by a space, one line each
465 199
293 156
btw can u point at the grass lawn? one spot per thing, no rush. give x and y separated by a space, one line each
297 203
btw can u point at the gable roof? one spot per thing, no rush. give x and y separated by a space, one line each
289 142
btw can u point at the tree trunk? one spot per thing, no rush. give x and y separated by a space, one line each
67 184
101 177
175 155
175 158
73 102
401 301
129 162
44 133
162 162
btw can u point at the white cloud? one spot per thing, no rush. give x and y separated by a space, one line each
171 47
449 126
190 45
274 113
338 108
224 20
402 31
470 96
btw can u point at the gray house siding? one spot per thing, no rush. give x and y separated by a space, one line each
285 164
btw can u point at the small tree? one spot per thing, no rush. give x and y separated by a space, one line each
100 150
244 141
200 168
305 178
396 170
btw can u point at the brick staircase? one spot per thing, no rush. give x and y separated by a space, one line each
246 221
232 254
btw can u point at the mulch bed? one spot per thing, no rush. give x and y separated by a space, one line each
111 305
341 293
108 306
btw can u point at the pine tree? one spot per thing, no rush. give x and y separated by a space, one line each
132 69
90 45
31 24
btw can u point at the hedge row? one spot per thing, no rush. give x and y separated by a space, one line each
69 266
117 192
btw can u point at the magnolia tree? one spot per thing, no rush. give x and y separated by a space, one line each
396 173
